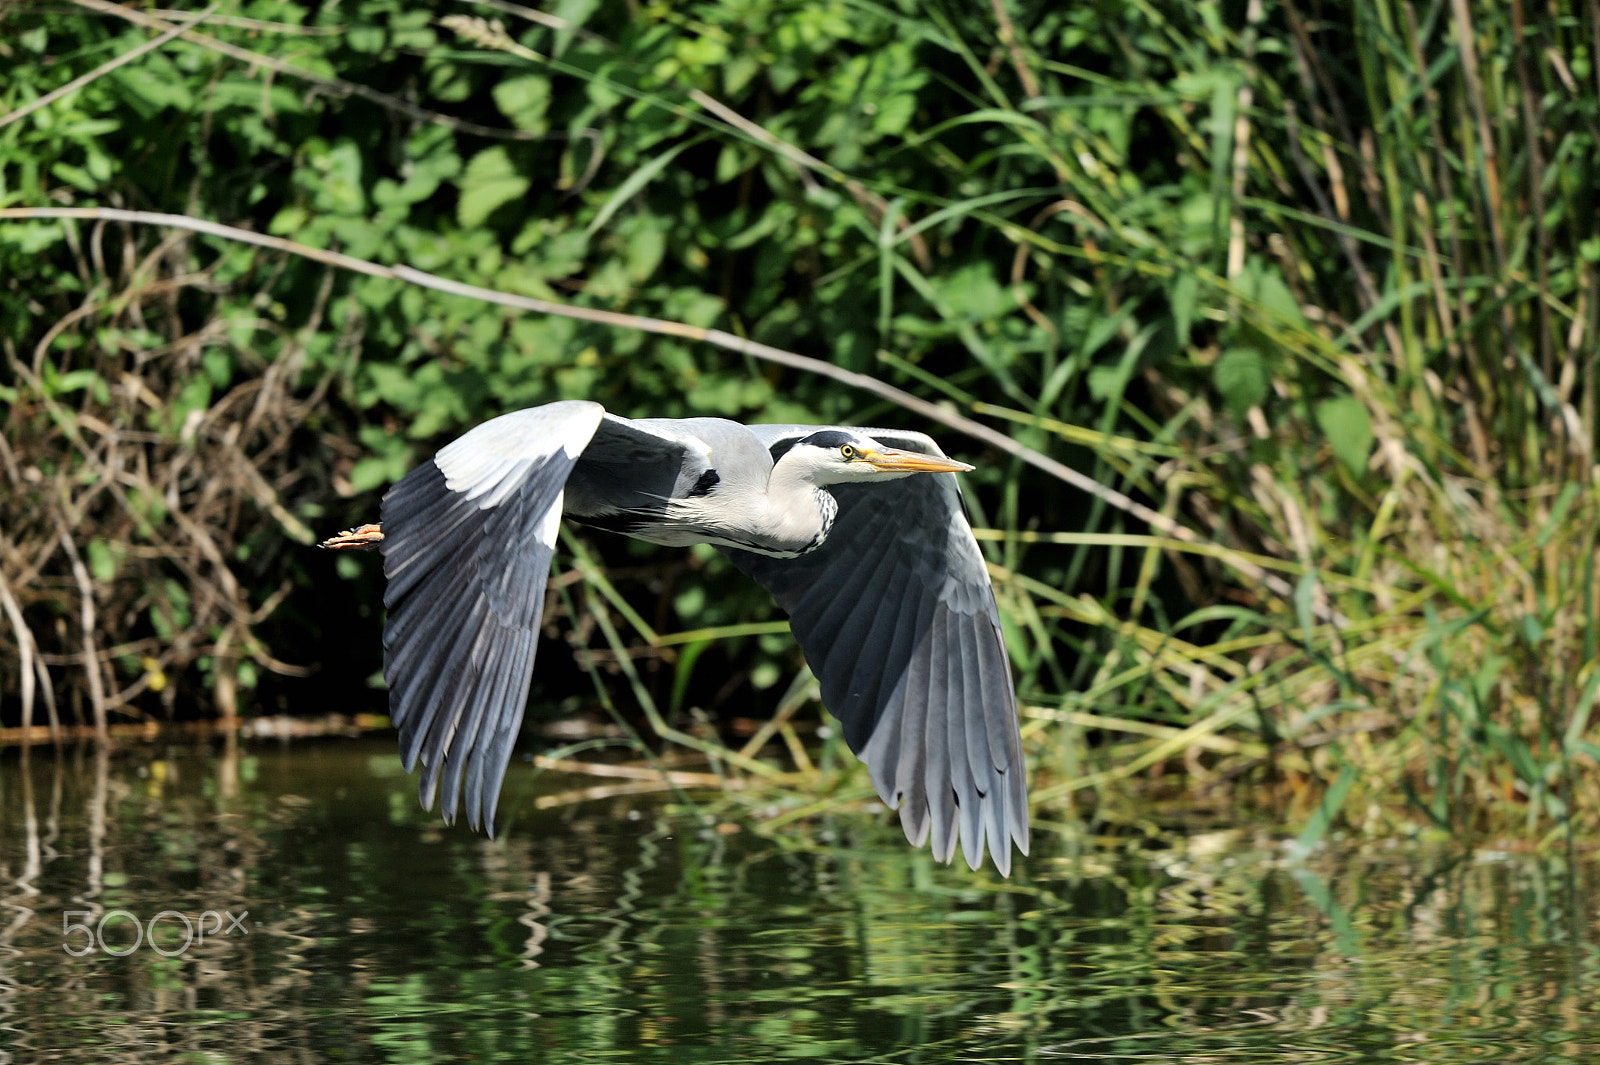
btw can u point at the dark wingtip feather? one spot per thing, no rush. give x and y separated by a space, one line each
426 790
1001 856
877 627
466 561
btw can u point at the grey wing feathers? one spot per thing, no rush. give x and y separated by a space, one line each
898 621
467 542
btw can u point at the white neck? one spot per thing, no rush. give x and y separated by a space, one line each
787 516
796 513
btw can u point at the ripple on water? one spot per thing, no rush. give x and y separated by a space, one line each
617 930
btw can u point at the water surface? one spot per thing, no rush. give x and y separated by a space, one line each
624 928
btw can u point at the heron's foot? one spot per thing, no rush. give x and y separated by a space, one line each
361 538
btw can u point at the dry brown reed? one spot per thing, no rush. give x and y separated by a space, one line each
131 546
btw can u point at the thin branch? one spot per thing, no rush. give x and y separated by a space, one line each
27 652
256 25
91 660
1008 39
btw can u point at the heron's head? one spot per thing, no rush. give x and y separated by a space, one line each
838 456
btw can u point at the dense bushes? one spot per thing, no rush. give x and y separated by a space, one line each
1314 280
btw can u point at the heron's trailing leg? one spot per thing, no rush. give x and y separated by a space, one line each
361 538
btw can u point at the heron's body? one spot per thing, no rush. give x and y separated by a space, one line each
859 534
706 481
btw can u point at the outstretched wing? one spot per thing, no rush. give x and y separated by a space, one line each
898 621
467 540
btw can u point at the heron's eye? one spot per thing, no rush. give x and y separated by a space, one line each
847 451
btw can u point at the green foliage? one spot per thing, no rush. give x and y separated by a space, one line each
1240 375
1321 290
1344 422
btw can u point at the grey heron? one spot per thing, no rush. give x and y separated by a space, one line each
860 535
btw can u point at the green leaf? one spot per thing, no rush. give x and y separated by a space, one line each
1265 285
75 381
764 675
31 238
337 179
731 162
1240 377
645 249
412 30
102 563
1305 598
1184 296
636 181
75 175
573 14
365 39
218 366
290 220
972 291
1348 429
524 101
1558 514
738 72
490 181
149 93
1579 724
1322 817
427 173
894 115
194 396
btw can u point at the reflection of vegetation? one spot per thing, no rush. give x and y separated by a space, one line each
388 939
1316 284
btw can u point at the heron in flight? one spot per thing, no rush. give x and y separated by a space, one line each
859 534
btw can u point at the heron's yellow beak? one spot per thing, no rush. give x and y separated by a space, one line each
894 460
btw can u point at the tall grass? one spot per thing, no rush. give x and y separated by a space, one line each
1386 229
1308 290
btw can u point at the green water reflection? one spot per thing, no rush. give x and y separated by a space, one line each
615 930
